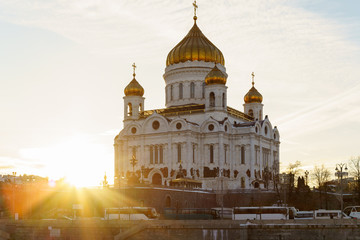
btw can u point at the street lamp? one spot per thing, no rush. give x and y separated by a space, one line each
220 176
341 169
306 177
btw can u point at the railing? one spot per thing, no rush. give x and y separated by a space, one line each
238 114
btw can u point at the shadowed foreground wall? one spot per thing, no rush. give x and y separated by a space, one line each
166 229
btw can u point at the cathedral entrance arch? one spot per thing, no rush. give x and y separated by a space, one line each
168 202
156 179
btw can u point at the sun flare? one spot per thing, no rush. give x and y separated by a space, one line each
80 161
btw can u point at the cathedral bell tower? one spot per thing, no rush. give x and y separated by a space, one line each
215 90
253 106
133 100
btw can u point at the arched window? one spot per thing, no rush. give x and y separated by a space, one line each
223 100
134 152
129 109
168 202
151 155
242 182
171 93
251 113
179 152
242 155
156 154
140 107
212 99
192 90
161 153
180 91
211 154
203 89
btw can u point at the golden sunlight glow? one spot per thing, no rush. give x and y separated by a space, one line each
80 161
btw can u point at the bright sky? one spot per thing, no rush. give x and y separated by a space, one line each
64 65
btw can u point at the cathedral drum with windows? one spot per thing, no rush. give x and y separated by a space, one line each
197 136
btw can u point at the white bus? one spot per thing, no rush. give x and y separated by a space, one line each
328 214
304 215
264 213
130 213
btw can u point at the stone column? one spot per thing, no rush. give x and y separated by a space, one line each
221 156
252 159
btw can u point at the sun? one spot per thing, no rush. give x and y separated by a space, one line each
79 160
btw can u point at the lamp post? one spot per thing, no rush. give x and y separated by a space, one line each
220 176
13 199
306 177
135 180
341 169
28 188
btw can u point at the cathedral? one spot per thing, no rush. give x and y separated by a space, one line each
197 138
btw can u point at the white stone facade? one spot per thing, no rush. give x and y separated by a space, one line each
209 139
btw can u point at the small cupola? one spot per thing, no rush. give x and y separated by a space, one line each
134 88
215 76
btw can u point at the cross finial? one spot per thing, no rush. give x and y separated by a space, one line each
195 7
134 66
253 76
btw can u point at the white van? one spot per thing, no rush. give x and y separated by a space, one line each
328 214
264 213
130 213
353 212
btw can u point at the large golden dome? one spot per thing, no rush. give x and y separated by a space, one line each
195 46
215 76
134 88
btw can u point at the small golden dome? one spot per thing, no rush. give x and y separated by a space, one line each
134 88
215 76
195 46
253 96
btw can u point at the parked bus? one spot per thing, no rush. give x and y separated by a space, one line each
328 214
304 215
353 212
264 213
190 213
131 213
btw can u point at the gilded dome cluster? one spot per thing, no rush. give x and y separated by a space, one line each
195 46
134 88
215 76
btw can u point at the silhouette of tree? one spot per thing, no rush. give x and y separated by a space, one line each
321 176
354 170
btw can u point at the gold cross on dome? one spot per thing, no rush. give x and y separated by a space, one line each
195 7
253 76
134 66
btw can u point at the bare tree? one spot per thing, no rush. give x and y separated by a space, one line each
294 168
354 167
321 176
354 170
